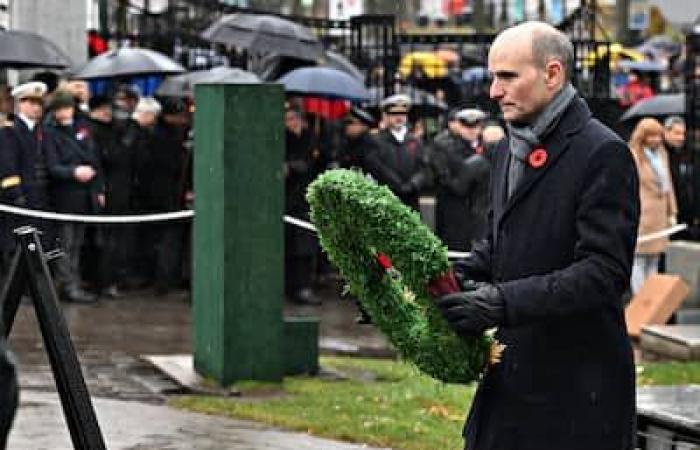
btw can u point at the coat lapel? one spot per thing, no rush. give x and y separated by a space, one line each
556 144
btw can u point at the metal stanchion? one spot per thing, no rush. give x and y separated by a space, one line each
29 272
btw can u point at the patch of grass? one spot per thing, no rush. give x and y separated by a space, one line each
401 408
664 373
382 403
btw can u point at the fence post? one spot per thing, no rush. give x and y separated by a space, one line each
238 240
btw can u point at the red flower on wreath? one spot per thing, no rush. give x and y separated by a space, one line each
538 158
384 261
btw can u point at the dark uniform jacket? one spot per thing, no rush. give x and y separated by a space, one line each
24 179
69 147
402 166
560 249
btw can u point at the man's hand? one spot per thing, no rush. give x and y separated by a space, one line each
473 311
84 173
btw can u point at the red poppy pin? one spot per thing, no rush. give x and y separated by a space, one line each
384 261
538 158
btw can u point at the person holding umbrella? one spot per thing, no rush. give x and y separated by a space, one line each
400 160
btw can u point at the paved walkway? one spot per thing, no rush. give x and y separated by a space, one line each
129 395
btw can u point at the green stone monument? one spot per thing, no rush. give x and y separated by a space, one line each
238 232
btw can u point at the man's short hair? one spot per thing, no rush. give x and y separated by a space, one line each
148 105
672 121
553 45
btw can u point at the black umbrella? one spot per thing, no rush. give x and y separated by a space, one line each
274 66
124 62
21 49
183 85
659 105
264 33
423 103
324 82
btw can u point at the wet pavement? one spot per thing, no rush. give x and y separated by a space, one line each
128 393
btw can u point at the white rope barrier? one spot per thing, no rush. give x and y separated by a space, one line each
661 234
103 219
186 214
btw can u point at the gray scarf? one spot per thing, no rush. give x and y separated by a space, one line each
523 139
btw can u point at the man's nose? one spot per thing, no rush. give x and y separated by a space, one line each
496 90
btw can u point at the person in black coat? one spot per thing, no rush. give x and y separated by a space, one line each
399 161
163 174
359 142
552 272
300 169
24 179
9 389
461 176
76 187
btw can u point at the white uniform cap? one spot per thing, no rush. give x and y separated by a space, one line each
470 115
32 89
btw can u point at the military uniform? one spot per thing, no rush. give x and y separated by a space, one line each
24 179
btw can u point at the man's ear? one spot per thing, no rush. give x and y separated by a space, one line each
554 74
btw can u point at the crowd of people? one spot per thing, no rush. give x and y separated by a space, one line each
453 167
68 152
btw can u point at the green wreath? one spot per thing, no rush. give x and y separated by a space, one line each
388 257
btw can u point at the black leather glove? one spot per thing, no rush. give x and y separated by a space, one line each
473 311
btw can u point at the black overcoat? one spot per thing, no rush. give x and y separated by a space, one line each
396 164
69 147
560 249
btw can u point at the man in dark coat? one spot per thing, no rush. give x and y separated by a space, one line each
300 246
76 187
164 174
24 179
9 391
399 161
359 142
552 272
681 166
461 178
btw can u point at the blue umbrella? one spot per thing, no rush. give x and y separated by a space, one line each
324 82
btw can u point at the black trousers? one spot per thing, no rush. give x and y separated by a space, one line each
168 245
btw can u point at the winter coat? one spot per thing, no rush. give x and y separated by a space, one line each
560 250
657 206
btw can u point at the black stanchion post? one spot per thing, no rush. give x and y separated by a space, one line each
29 269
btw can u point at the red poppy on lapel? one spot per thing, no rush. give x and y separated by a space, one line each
537 158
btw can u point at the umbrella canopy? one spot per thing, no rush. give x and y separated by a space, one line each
183 85
265 33
659 105
423 103
273 67
324 82
430 63
21 49
125 62
617 52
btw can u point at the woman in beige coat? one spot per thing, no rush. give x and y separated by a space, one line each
658 201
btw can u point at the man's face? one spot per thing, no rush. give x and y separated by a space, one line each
675 135
354 128
64 115
396 121
31 108
293 122
470 131
518 85
103 113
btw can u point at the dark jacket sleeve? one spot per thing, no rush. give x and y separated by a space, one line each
58 168
9 168
606 223
474 169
